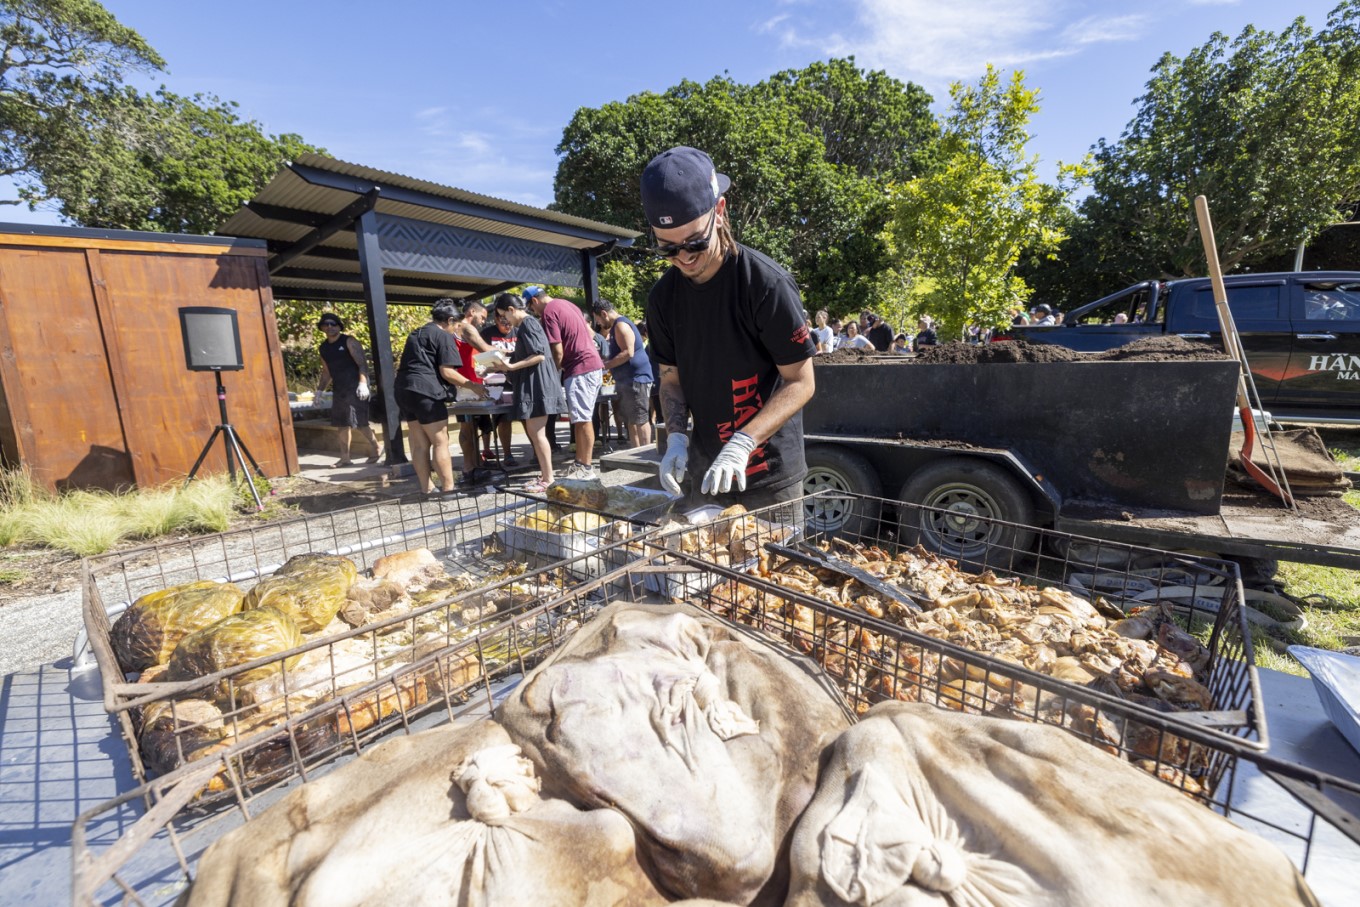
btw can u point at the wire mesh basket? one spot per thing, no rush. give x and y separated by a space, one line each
1016 631
142 846
279 715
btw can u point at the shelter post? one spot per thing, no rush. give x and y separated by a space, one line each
375 297
590 276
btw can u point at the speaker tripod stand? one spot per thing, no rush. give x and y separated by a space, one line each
236 450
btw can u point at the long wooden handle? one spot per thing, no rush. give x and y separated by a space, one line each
1231 343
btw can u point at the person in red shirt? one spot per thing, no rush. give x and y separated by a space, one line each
574 353
467 334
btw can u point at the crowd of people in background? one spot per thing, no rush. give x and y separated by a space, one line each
555 357
870 331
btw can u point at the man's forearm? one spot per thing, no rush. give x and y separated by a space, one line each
672 397
783 404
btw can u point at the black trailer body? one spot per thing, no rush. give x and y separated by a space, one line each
1132 451
1147 435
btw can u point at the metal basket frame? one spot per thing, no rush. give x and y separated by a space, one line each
464 529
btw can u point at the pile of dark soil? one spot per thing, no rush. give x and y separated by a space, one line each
851 356
1150 349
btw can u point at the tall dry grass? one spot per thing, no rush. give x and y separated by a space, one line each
92 522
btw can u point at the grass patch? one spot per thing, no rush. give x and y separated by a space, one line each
85 523
11 575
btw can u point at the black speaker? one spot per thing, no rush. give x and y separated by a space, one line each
212 340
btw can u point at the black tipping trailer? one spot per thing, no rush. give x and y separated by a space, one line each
1133 451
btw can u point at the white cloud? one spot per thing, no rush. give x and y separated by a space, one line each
934 43
1098 30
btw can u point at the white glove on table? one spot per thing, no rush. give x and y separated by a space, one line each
729 466
363 392
674 461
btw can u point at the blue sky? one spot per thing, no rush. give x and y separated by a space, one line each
476 94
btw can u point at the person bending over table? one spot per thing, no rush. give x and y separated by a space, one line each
534 377
428 369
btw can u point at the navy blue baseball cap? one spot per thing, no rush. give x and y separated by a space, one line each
679 185
531 292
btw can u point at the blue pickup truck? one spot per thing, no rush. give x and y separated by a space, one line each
1300 330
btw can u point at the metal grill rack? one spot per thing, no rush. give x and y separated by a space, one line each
339 687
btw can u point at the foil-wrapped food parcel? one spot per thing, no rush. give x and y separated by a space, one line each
663 754
199 629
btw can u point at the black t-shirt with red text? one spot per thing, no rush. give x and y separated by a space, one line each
727 337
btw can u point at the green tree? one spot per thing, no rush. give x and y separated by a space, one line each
158 162
958 232
1266 126
808 151
57 56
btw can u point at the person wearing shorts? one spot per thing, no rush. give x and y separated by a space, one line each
573 351
344 368
632 370
428 368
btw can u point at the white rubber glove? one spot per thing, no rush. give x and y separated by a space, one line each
729 467
674 462
363 392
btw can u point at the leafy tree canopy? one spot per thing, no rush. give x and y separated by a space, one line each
957 233
158 162
1266 126
56 53
809 152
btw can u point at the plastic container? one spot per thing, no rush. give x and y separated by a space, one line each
1337 680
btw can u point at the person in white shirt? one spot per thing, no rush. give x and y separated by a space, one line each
854 339
822 334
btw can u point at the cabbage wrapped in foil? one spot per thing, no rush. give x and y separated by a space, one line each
147 632
311 588
235 640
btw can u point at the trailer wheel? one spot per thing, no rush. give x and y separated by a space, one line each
968 493
835 469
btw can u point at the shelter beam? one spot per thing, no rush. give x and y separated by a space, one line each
351 212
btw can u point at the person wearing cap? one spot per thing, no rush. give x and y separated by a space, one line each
575 354
1041 314
880 333
427 371
729 337
344 367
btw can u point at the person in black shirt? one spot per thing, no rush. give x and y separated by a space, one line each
880 333
428 369
344 368
728 334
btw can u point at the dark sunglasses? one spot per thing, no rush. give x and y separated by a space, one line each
328 324
669 250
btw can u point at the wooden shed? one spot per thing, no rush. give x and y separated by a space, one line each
94 390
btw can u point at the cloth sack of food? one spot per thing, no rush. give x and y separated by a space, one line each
706 738
148 631
922 806
451 815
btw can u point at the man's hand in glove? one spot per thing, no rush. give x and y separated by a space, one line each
729 467
674 462
363 392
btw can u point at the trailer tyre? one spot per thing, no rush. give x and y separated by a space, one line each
968 493
832 468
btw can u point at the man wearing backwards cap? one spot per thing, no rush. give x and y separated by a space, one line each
728 333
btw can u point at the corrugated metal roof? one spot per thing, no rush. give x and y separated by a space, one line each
288 190
295 188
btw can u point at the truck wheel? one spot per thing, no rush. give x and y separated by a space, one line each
835 469
968 492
